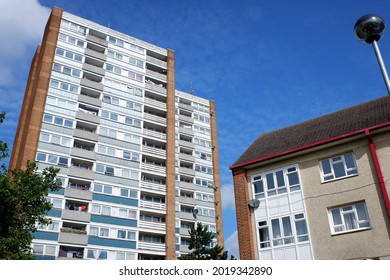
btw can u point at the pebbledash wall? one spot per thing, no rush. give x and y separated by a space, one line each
318 189
138 159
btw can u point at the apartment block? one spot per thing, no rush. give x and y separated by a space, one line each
138 159
318 189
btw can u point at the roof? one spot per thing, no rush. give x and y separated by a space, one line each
317 131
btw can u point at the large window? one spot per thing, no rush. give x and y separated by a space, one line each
338 167
349 218
276 182
283 231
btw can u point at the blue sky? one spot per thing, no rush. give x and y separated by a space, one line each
267 64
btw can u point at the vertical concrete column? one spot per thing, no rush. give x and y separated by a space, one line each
170 219
244 216
216 174
30 123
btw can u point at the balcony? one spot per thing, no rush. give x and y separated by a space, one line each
88 116
156 103
153 186
186 130
90 100
186 118
92 84
94 69
85 134
81 173
152 225
156 61
73 236
187 144
95 54
186 185
78 193
76 152
156 88
97 40
187 200
156 75
155 151
70 253
152 205
74 215
151 246
187 171
155 134
155 118
154 168
186 106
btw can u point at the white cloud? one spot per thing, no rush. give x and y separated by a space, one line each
227 193
21 27
231 245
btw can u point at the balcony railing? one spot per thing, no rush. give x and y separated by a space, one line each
151 246
155 151
153 168
155 134
153 186
155 103
152 225
152 205
158 119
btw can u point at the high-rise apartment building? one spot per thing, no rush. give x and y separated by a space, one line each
318 189
138 159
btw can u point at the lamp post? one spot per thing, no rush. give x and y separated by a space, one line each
369 29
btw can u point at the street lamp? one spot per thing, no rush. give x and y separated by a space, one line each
369 29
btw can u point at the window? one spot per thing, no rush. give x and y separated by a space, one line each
66 70
97 254
349 218
53 159
69 55
64 86
338 167
71 40
276 182
283 231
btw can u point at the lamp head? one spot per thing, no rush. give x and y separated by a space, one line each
369 28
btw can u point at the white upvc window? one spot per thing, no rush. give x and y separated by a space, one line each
349 218
338 167
276 182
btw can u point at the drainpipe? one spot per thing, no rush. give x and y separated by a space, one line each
378 171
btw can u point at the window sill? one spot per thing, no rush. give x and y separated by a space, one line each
350 231
337 179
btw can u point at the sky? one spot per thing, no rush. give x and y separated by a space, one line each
266 64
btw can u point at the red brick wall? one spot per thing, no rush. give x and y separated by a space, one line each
244 219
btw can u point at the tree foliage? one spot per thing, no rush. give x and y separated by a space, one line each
22 204
201 238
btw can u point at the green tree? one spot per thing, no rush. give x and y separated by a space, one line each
201 238
22 204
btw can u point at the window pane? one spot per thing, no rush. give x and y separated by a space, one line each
276 233
280 179
293 179
270 181
122 234
339 170
349 160
350 221
336 217
287 226
361 212
259 188
326 166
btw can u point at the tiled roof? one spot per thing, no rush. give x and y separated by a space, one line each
318 130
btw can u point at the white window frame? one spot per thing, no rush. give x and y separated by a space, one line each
349 171
361 219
